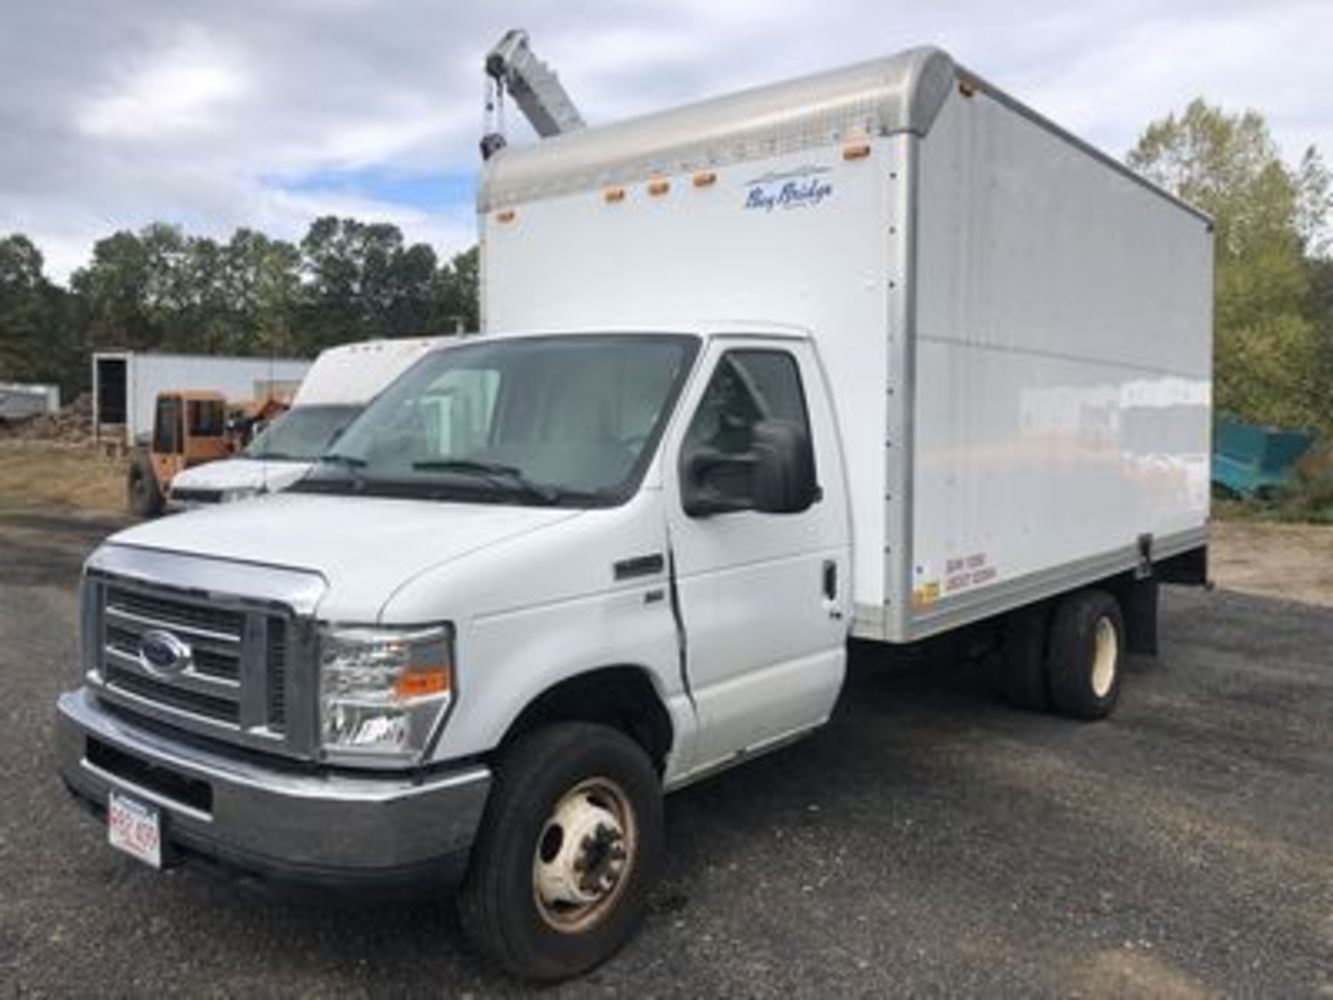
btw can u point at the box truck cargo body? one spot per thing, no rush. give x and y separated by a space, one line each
1016 330
879 353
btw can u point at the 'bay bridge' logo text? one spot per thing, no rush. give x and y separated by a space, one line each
792 189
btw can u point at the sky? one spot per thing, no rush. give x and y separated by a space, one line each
227 113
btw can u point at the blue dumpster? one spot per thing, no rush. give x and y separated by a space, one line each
1248 459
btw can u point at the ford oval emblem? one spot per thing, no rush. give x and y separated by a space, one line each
162 654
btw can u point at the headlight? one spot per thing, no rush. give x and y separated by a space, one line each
239 493
383 691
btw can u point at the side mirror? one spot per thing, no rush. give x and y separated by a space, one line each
784 470
776 476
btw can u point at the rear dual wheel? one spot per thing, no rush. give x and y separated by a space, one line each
1069 660
1085 655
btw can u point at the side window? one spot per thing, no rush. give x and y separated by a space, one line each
748 386
166 427
207 417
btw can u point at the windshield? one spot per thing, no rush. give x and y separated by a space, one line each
302 434
567 420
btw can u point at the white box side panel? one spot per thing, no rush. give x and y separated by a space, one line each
1063 360
733 251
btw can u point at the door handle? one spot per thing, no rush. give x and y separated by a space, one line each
830 580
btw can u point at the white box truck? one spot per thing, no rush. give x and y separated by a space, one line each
879 353
340 383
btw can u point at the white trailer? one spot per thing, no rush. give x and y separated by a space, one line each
1016 329
19 400
126 384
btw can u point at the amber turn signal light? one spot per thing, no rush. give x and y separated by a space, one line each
421 681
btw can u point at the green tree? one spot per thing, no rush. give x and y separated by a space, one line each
461 297
162 289
113 290
1267 214
21 306
361 280
37 341
264 292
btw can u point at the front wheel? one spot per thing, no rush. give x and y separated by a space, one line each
142 493
568 849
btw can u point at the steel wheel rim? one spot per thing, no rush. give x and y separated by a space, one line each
1105 657
584 856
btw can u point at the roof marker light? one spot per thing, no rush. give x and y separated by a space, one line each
658 187
859 151
508 215
704 178
613 195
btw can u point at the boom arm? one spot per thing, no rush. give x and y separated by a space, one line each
534 87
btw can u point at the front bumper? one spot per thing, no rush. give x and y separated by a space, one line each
316 826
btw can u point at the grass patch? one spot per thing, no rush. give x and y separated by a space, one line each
62 476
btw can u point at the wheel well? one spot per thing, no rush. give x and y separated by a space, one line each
621 697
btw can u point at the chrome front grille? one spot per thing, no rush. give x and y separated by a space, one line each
235 683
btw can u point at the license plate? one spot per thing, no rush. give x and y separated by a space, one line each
135 828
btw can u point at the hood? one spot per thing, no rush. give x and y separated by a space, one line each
241 474
365 548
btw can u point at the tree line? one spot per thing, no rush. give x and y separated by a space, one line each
1273 295
162 289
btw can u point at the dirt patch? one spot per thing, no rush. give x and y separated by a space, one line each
58 475
1129 973
1289 561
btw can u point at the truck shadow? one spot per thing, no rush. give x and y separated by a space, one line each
883 721
896 763
398 942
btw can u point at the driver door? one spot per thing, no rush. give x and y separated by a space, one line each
764 598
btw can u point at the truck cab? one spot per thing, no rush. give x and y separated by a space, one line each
541 521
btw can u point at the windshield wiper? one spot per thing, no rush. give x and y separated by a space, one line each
351 463
504 476
348 461
280 456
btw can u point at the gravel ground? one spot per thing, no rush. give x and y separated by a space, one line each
929 841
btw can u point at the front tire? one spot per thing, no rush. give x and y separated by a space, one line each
1085 655
143 495
569 846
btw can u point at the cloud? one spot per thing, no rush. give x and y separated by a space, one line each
265 113
175 91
